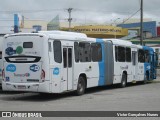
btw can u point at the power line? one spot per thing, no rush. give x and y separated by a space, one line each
131 16
51 10
102 11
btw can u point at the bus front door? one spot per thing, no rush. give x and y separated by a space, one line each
67 83
135 64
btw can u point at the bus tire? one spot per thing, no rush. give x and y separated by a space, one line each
123 81
146 78
144 81
81 86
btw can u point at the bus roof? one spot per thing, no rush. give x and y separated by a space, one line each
72 36
120 42
56 35
80 35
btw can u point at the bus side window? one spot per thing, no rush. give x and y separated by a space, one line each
128 54
96 50
84 52
69 57
64 57
121 54
141 56
76 51
116 53
0 54
57 51
133 58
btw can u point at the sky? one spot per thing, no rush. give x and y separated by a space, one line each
84 11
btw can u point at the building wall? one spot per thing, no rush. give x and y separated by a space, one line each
30 24
136 20
147 26
158 31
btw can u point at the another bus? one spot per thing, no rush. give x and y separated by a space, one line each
57 62
153 43
157 51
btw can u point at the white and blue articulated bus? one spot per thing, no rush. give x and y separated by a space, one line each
57 62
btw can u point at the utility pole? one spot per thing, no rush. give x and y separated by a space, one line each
70 19
141 32
114 22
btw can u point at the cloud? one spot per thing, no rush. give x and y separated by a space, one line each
84 11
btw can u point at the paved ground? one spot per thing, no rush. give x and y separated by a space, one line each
132 98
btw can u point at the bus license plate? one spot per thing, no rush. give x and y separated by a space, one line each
21 87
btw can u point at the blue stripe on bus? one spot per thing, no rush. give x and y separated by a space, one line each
145 63
101 65
147 66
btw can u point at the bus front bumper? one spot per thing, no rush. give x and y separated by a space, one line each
25 87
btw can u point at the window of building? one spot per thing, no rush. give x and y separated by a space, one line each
57 51
96 52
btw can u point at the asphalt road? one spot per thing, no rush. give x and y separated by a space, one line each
135 97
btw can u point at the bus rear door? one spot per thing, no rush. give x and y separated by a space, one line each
135 64
67 68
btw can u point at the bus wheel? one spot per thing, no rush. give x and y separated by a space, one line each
81 86
145 82
123 81
146 78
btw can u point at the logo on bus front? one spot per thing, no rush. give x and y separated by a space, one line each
34 68
10 51
11 68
